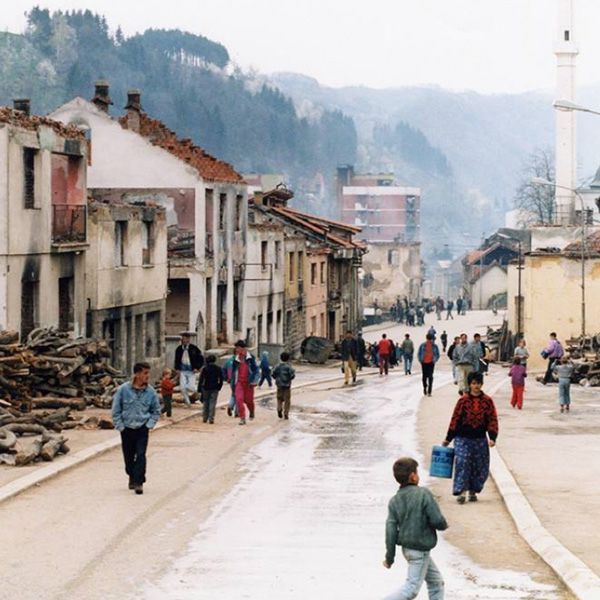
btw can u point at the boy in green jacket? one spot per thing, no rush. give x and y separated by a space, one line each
413 517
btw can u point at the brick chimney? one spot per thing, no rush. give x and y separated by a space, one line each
134 108
22 104
101 97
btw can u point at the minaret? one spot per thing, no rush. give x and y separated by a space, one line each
566 156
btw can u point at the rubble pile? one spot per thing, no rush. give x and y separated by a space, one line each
41 381
585 355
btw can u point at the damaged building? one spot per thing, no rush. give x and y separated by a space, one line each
205 201
43 237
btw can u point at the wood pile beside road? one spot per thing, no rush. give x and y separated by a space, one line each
43 380
585 355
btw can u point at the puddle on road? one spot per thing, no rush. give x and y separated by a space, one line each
306 521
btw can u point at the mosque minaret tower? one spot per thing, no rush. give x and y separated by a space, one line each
566 156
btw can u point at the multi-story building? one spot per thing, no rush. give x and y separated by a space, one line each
43 238
389 218
206 210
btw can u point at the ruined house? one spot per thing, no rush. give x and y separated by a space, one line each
206 211
126 278
43 238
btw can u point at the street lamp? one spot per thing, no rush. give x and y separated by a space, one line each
567 105
542 181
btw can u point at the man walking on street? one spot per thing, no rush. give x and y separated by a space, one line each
428 355
362 349
408 350
463 360
188 361
453 345
242 374
553 352
135 410
449 307
385 349
349 352
444 340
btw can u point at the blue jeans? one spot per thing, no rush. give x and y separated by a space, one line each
421 568
408 358
564 391
187 384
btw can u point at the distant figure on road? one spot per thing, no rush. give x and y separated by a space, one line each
428 355
564 369
522 352
362 349
135 410
385 348
453 345
463 359
517 375
553 352
283 374
431 331
473 421
408 351
349 352
412 521
444 340
265 370
449 307
167 385
210 383
459 306
188 361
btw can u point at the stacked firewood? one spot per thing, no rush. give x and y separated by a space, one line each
49 370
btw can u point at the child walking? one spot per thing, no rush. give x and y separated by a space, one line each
517 375
413 518
283 374
209 385
167 385
265 370
564 370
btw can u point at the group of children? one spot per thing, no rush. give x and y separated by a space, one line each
211 380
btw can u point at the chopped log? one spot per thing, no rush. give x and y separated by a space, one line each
50 449
50 402
8 459
8 337
62 391
7 439
28 451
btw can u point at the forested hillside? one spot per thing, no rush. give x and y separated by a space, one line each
186 81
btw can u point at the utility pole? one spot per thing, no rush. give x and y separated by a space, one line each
519 296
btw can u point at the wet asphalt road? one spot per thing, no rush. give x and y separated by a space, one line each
306 520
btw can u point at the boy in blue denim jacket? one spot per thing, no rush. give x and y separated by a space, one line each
413 518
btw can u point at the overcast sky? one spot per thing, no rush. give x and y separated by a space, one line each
482 45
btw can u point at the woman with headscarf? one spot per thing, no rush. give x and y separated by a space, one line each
474 430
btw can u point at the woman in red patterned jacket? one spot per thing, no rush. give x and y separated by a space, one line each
474 421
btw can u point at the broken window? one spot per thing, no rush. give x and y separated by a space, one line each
323 272
147 242
291 263
239 213
313 274
300 266
222 210
120 243
29 155
237 313
29 307
264 250
66 311
277 255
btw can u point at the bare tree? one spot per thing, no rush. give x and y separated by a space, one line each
536 202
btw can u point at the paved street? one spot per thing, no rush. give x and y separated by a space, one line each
273 510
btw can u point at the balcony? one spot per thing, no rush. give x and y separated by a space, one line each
69 227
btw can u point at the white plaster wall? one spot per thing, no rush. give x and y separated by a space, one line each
494 281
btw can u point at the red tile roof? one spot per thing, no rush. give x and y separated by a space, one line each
18 118
592 245
209 167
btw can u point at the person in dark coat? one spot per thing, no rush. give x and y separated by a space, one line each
188 361
349 353
362 349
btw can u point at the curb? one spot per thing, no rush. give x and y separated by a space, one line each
73 460
572 571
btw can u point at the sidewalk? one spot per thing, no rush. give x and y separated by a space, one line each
88 444
551 457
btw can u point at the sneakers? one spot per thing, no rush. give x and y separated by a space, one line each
139 489
280 414
242 422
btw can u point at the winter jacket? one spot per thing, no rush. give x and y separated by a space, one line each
283 374
349 349
517 374
196 358
563 371
435 350
211 378
554 349
134 408
463 355
408 347
413 518
231 368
